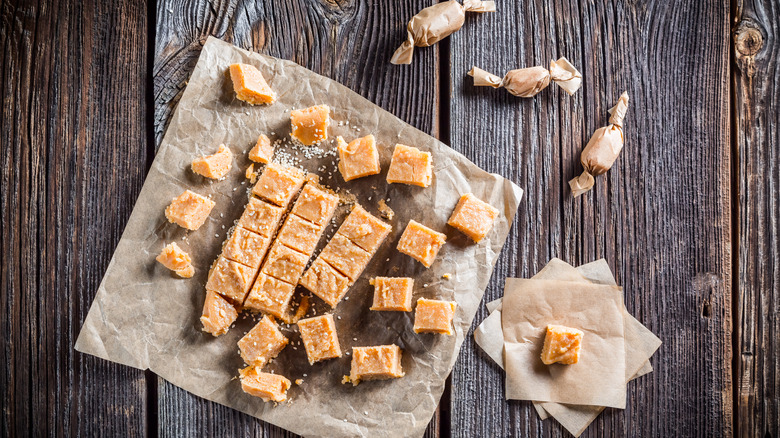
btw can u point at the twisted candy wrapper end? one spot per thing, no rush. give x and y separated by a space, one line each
582 183
565 75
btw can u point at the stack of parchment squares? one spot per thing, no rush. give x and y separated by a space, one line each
615 348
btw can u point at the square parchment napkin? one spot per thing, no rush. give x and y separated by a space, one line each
145 318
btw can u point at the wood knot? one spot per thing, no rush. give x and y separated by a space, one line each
748 40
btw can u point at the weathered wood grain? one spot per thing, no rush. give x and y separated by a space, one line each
72 130
660 216
757 174
349 41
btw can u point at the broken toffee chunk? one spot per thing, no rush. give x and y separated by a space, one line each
278 184
189 210
177 260
250 85
320 338
434 316
284 263
246 247
232 280
473 217
214 166
410 165
263 151
310 125
392 293
218 314
561 345
527 82
315 205
359 158
375 363
269 295
364 229
421 243
299 234
262 343
326 282
345 256
267 386
261 217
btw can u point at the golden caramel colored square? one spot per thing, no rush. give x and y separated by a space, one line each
284 263
364 230
345 256
246 247
421 243
250 85
375 363
300 235
177 260
189 210
310 125
315 205
393 293
270 296
434 316
262 343
359 158
320 338
218 314
561 345
473 217
261 217
231 280
263 151
278 184
325 281
410 165
214 166
267 386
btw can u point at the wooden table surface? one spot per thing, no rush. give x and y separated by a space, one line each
687 217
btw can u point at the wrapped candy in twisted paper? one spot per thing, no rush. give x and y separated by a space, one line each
435 23
528 82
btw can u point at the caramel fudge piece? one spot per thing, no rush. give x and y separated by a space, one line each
421 243
262 343
270 296
393 293
232 280
263 151
261 217
299 234
315 205
189 210
214 166
473 217
310 125
364 230
359 158
250 85
246 247
320 338
410 165
175 259
345 256
561 345
284 263
375 363
278 184
434 316
267 386
218 314
325 281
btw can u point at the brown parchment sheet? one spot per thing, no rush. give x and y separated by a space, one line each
144 317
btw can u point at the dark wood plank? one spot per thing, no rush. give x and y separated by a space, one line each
757 174
73 134
660 216
349 41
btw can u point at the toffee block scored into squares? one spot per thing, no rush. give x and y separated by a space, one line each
326 282
375 363
262 343
364 229
320 338
263 150
214 166
299 234
284 263
310 125
270 296
473 217
246 247
345 256
561 345
218 314
250 85
189 210
278 184
393 293
434 316
359 158
261 217
410 165
267 386
231 280
315 205
421 243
